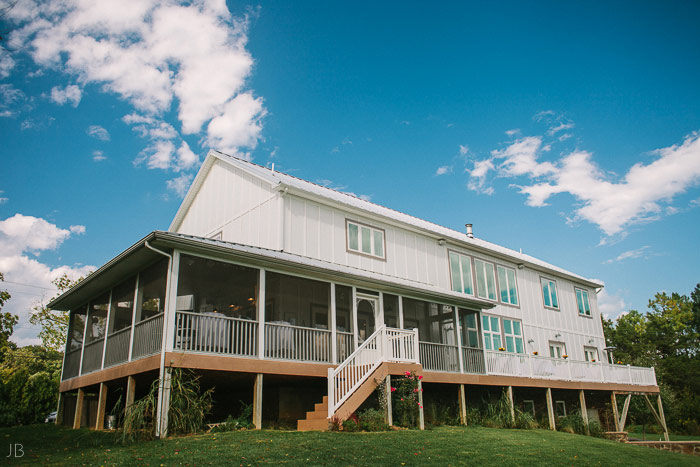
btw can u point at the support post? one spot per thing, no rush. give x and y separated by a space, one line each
61 408
616 416
625 408
136 307
356 341
550 410
78 409
261 314
107 329
584 410
257 401
388 416
163 404
421 418
101 407
662 416
462 406
334 326
458 339
511 403
130 395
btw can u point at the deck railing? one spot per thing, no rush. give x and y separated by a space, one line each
117 350
473 360
439 357
220 334
345 344
148 335
92 356
71 364
287 342
382 346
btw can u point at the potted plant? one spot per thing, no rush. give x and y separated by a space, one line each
535 352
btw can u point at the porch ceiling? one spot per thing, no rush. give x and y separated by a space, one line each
138 256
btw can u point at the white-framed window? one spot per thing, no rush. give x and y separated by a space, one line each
471 330
584 306
590 354
492 332
557 349
549 293
560 408
485 279
513 335
529 407
365 240
507 285
461 273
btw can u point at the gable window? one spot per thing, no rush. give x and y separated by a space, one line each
492 332
461 273
549 293
584 306
365 239
485 279
591 354
513 334
557 349
507 286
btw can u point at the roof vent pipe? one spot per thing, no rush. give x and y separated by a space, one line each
470 234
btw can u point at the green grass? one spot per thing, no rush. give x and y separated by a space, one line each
51 445
657 437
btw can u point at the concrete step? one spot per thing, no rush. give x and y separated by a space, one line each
313 425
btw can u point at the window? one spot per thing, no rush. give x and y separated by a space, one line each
470 330
560 408
297 301
529 407
461 273
513 333
485 280
492 332
365 239
584 306
506 283
557 349
549 293
591 354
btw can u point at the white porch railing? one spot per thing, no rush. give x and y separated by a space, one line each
287 342
346 344
92 356
117 350
530 366
473 359
148 335
384 345
195 332
439 357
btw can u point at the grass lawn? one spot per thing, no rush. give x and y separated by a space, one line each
657 437
51 445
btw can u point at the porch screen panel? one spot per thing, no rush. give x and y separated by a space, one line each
343 308
152 283
391 310
470 330
76 328
122 305
213 287
297 301
97 318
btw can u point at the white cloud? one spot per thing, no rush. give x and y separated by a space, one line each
153 55
611 306
180 184
513 132
478 176
186 159
4 199
560 127
7 63
543 115
70 94
631 254
9 96
564 137
21 235
445 169
98 132
612 204
463 149
98 156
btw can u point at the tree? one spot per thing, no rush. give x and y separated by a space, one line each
7 322
54 323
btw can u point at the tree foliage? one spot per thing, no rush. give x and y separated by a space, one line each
7 322
54 323
667 337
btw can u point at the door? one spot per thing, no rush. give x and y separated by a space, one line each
367 316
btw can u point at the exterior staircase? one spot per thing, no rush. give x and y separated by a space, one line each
386 351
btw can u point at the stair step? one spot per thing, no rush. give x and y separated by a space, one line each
313 425
316 415
321 407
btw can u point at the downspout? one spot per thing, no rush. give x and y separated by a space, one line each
161 384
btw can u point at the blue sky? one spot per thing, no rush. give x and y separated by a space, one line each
569 130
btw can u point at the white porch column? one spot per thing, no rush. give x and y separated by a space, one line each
388 416
421 418
171 303
257 401
261 314
163 404
354 317
133 316
400 312
167 339
382 321
334 331
616 415
584 410
82 345
550 410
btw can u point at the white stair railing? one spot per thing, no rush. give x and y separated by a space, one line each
384 345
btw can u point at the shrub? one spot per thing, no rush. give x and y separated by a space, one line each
243 421
405 399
